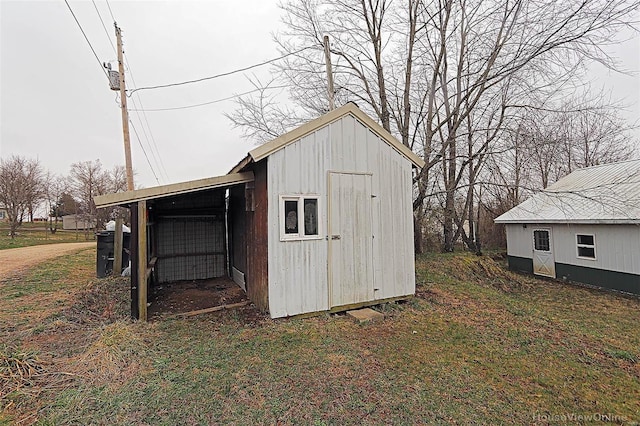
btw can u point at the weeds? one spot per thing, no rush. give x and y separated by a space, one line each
18 369
477 345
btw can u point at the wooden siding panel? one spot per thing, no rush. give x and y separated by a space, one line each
257 237
237 228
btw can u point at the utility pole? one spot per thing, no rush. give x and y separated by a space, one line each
125 112
327 57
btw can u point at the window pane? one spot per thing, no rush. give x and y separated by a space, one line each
585 239
587 252
541 240
310 216
291 216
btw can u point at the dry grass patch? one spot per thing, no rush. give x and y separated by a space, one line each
113 356
478 345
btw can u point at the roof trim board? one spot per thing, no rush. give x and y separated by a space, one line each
570 221
162 191
269 148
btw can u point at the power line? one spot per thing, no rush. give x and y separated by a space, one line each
224 74
144 152
158 163
104 26
210 102
110 12
144 114
87 39
157 158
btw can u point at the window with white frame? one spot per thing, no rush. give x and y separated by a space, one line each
586 244
1 215
299 217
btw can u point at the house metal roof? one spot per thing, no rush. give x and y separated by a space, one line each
128 197
269 148
608 193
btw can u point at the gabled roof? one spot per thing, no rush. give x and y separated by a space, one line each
162 191
269 148
608 193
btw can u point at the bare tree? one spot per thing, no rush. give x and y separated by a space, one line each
54 188
21 189
443 76
89 179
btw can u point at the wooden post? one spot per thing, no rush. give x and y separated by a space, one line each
125 112
133 255
117 248
142 260
327 57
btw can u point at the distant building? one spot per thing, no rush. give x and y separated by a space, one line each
583 228
73 222
3 214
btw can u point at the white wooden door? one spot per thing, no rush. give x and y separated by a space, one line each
543 260
350 239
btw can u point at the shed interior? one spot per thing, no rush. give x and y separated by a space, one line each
187 241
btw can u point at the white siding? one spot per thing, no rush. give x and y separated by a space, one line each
520 239
617 246
298 269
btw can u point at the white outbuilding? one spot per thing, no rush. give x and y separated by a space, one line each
319 219
583 228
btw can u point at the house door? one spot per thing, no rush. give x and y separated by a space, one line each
350 239
543 260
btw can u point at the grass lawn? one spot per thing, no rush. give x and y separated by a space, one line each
477 345
36 233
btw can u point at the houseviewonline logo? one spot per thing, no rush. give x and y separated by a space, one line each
576 417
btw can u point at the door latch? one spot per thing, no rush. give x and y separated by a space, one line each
335 237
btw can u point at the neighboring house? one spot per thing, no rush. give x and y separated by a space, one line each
319 219
77 222
3 214
583 228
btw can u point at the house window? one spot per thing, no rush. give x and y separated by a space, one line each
586 244
299 217
541 240
1 215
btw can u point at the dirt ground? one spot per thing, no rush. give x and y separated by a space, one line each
185 296
13 260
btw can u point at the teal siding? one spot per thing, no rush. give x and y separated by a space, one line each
614 280
521 264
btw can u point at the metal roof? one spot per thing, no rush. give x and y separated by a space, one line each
269 148
608 193
128 197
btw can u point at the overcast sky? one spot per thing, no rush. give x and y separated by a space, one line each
56 104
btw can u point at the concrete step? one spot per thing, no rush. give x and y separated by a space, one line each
365 315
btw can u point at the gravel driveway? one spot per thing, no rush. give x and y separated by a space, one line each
12 260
